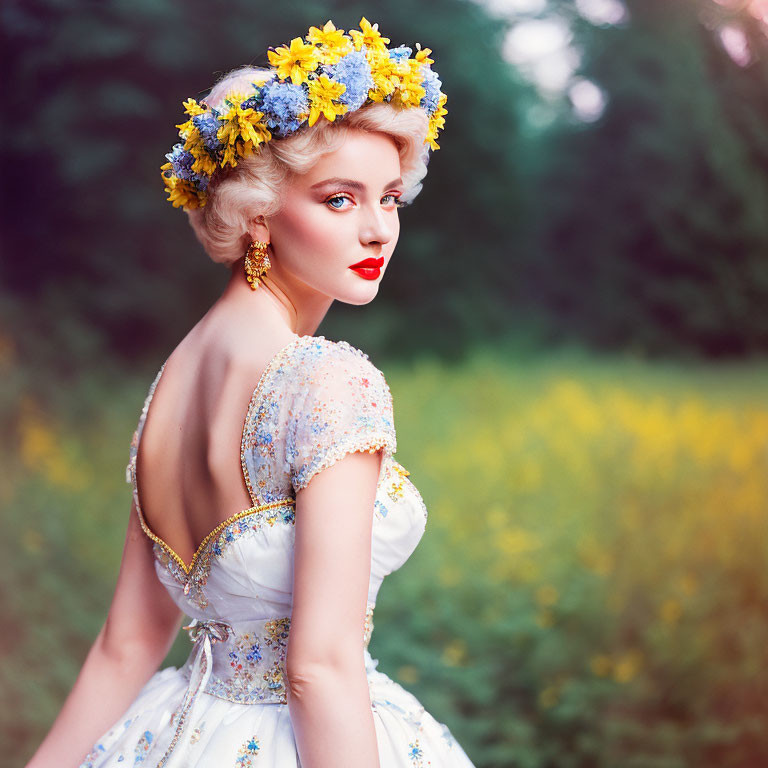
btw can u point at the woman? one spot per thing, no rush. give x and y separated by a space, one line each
267 504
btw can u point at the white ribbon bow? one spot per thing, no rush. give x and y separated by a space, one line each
204 634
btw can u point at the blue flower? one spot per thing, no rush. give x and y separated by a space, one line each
432 86
283 105
182 161
355 72
208 126
400 53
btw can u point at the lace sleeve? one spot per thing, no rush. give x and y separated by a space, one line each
344 406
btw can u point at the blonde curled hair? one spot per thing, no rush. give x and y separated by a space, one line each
253 187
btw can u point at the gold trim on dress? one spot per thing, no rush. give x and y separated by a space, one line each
257 507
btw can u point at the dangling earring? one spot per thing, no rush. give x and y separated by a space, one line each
256 263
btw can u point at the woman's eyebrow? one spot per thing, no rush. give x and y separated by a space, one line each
351 183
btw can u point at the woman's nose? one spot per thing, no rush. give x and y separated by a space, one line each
378 225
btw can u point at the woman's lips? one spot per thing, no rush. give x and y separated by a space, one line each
369 268
370 262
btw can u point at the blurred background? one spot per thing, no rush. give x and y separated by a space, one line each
574 329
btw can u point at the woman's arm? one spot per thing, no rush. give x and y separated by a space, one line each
139 630
328 694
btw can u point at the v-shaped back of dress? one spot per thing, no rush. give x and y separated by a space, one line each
256 504
316 401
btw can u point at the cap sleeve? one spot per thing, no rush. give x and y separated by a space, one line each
344 405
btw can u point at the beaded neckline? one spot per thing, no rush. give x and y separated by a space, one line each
187 568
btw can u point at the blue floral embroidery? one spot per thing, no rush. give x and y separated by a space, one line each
90 759
380 508
142 747
415 753
247 752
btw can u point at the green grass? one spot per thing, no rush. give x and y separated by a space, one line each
591 588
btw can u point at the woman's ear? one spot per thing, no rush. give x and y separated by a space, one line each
258 229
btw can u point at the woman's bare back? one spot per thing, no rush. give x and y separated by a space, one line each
188 468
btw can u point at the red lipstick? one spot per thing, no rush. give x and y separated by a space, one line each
369 268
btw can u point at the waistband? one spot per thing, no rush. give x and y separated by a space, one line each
242 662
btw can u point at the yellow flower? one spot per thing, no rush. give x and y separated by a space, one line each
408 674
295 61
547 595
44 450
455 653
436 122
548 697
192 108
601 665
204 163
409 91
385 74
422 55
322 92
195 145
242 130
181 193
333 43
670 611
514 541
370 37
627 666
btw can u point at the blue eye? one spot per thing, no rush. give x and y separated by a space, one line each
330 200
336 197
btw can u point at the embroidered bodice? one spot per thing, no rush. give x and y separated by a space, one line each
316 401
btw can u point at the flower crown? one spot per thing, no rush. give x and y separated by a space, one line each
327 73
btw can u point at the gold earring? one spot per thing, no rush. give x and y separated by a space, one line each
256 263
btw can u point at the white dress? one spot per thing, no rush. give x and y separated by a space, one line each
316 401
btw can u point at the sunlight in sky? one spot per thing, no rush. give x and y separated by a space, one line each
541 49
602 11
588 100
735 42
540 46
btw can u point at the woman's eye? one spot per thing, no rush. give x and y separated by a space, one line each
336 198
336 202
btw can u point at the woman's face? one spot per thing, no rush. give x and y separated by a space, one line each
341 212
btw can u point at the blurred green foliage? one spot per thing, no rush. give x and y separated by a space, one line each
645 228
100 86
655 231
590 591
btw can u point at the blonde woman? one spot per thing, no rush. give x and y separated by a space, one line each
267 503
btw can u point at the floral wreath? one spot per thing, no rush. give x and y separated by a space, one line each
327 73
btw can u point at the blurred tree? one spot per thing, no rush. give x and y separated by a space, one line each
655 231
94 257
